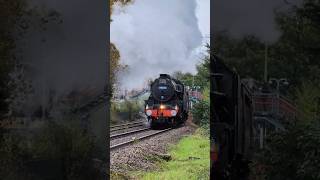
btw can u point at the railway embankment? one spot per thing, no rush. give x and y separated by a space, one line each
189 159
146 155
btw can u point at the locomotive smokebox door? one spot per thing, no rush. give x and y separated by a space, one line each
163 88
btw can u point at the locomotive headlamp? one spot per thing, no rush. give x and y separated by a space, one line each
162 106
148 112
147 107
173 112
176 107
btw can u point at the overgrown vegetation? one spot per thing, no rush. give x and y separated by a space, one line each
190 160
201 114
127 110
50 151
292 154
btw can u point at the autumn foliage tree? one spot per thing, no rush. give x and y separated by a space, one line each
115 65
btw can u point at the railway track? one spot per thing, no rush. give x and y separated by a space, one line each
119 125
133 139
126 126
128 133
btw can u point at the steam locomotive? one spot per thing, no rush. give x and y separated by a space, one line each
168 103
231 124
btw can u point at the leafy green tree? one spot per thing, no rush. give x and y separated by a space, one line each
202 77
245 55
308 101
297 51
185 78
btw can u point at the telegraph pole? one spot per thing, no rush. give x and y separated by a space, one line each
266 63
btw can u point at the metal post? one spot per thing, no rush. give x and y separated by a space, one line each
266 63
261 136
278 97
192 81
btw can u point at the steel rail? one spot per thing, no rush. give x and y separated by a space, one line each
119 125
126 127
127 133
137 139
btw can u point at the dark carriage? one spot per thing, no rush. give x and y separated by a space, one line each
231 123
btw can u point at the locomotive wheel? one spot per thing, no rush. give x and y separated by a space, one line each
175 123
152 124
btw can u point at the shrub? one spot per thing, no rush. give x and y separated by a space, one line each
54 150
292 154
126 110
201 114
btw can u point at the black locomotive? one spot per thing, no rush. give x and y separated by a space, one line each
168 103
231 124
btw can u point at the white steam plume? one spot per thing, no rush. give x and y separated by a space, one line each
155 36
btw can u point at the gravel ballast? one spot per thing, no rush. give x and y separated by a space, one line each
140 155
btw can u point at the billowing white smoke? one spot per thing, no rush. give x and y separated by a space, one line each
155 36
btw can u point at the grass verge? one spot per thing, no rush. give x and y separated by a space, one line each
190 160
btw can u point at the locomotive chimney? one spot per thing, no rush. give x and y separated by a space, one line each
164 75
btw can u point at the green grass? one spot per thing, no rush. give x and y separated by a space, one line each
190 160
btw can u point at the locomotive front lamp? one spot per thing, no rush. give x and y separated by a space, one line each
162 106
173 112
149 112
176 107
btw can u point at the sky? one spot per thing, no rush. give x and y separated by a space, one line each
254 17
159 36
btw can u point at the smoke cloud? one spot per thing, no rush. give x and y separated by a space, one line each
155 36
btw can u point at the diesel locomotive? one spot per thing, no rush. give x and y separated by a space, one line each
168 103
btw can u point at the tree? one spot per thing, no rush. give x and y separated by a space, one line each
115 65
122 2
298 48
185 78
291 154
10 13
202 78
308 101
245 55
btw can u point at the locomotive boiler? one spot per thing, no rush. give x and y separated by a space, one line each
168 103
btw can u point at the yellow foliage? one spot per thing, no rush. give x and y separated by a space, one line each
124 2
114 53
114 62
